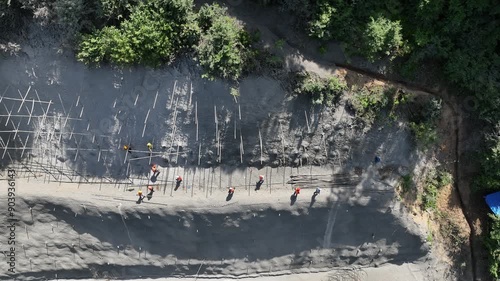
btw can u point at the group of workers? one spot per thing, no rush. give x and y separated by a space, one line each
261 181
178 179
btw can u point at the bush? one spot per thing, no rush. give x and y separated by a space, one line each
489 176
445 178
155 32
367 102
431 186
406 183
208 14
321 91
425 134
69 14
435 180
493 245
382 37
423 122
117 9
333 19
223 47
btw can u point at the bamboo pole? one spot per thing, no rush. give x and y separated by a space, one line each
307 122
145 123
5 91
196 118
173 94
31 112
260 142
199 154
23 98
62 104
156 97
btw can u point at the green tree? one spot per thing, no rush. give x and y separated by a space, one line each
382 36
69 14
222 51
208 13
489 177
156 31
321 91
493 246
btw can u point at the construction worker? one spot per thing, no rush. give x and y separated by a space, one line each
139 193
231 190
150 188
259 183
317 191
150 147
155 171
178 179
127 148
297 191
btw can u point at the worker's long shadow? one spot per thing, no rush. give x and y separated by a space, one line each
293 199
177 185
229 196
313 200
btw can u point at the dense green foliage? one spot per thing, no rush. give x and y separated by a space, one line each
493 246
462 35
11 16
423 122
154 34
157 31
367 102
223 46
406 183
434 181
489 178
321 91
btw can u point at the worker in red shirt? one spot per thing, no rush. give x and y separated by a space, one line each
261 179
259 183
155 170
297 191
178 181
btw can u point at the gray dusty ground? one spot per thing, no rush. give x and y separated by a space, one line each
82 231
81 117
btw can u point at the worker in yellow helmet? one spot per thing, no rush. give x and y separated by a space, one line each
127 148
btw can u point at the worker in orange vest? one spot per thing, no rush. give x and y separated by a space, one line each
297 191
231 190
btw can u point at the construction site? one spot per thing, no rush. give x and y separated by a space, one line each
63 128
